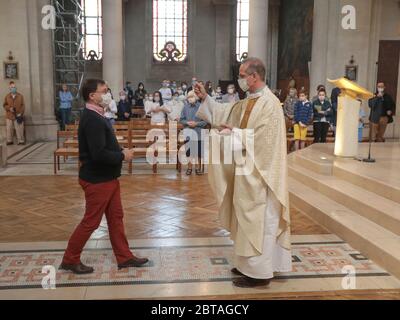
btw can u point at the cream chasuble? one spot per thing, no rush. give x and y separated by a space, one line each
246 192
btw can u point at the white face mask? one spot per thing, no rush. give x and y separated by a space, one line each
106 100
192 100
184 87
243 85
157 99
231 91
381 90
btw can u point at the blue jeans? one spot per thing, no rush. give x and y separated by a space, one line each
65 117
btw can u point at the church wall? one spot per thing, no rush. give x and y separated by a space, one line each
201 45
21 32
334 46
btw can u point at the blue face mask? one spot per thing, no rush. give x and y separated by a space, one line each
13 90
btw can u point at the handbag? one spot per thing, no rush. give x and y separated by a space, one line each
20 119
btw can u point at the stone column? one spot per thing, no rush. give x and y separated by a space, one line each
113 45
258 29
40 124
273 43
319 54
223 44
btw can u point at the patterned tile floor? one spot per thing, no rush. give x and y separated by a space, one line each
178 267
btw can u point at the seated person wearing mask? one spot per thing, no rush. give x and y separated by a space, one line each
192 132
232 96
156 109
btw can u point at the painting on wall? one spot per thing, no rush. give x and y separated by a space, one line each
11 71
295 42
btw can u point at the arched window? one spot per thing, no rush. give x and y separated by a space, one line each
170 30
242 28
92 28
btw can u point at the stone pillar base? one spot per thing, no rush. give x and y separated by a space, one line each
3 155
36 129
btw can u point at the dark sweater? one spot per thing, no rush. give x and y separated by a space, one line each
380 106
99 151
303 112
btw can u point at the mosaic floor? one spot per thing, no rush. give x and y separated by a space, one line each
179 267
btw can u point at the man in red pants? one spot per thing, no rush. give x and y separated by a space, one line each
101 158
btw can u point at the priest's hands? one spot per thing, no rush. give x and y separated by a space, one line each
128 154
225 130
200 91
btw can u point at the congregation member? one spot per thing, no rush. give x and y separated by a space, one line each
184 87
139 95
129 92
320 88
176 106
124 107
322 116
192 132
191 88
166 91
181 94
288 108
110 108
101 158
157 109
174 86
231 95
66 99
303 113
382 108
210 89
254 205
218 95
14 107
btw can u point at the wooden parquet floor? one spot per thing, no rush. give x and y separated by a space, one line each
156 206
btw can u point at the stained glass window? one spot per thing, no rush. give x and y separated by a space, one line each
170 30
242 28
92 28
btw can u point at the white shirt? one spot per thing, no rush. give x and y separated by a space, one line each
166 94
156 117
111 111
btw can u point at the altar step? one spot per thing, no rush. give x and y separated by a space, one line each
362 209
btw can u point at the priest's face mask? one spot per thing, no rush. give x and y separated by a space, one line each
246 80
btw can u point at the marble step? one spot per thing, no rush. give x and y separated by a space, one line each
380 180
378 209
372 240
314 160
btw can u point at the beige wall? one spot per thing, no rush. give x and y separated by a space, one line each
333 46
21 32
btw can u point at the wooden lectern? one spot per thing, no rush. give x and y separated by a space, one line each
348 115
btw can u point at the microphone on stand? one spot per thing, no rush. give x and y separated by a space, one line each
369 159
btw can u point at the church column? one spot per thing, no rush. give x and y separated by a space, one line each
113 45
223 44
319 54
273 42
258 29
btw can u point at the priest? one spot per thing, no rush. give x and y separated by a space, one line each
252 189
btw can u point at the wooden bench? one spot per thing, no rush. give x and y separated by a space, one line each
64 152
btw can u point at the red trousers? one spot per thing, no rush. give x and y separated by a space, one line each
100 198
